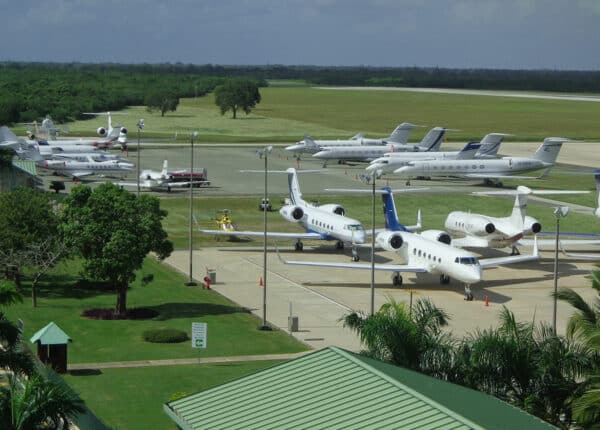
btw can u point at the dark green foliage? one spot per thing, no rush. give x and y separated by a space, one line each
165 335
239 93
113 230
162 102
57 186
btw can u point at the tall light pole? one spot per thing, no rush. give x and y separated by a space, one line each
191 282
559 212
373 246
264 153
140 126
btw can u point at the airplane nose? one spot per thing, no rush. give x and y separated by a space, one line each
360 237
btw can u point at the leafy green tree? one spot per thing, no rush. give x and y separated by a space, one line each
26 219
238 93
13 356
162 102
113 230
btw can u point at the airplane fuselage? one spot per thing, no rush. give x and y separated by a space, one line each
332 226
483 231
441 168
366 153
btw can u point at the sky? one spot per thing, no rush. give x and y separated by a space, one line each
514 34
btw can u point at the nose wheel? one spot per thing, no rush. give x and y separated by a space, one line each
468 293
299 246
396 279
355 256
444 279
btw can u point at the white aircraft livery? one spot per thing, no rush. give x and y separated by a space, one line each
430 251
325 222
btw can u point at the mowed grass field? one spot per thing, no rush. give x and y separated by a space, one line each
286 113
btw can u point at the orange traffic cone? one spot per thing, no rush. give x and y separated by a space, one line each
260 282
487 301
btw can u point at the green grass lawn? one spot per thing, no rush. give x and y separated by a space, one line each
133 398
231 330
287 112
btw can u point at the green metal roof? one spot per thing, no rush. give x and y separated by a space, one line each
27 166
333 389
50 335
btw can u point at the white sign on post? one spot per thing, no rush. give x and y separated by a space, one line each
199 335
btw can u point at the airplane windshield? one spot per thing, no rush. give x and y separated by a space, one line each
354 227
467 260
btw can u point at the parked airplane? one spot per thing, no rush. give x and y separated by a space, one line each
165 180
481 231
431 142
325 222
428 252
505 167
393 160
79 169
110 135
308 145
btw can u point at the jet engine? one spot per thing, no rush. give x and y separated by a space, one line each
390 240
336 209
531 225
101 131
292 213
123 130
439 235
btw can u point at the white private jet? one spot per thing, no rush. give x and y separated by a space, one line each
482 231
325 222
505 167
428 252
431 142
393 160
308 145
79 169
165 180
110 136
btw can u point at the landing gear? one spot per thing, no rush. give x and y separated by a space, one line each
468 293
515 251
444 279
396 279
339 245
492 183
355 256
299 246
408 182
325 164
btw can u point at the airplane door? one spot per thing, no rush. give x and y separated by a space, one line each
425 169
510 163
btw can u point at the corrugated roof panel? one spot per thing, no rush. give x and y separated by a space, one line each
328 389
51 334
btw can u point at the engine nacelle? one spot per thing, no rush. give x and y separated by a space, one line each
470 224
390 240
439 235
101 131
123 130
531 225
292 213
336 209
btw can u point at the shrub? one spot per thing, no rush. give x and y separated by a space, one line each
165 335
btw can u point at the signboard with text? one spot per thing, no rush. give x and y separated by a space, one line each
199 335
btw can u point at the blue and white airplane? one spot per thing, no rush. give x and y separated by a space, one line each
428 252
325 222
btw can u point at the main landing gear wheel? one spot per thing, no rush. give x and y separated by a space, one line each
396 280
444 279
515 251
339 245
299 246
355 256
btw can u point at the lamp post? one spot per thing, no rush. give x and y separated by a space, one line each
264 153
140 126
373 247
559 212
190 281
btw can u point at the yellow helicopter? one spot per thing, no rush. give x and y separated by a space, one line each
224 221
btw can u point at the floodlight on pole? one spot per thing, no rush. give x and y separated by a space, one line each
559 212
263 153
140 127
190 281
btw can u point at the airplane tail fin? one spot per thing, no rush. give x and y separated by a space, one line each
433 139
490 144
401 133
165 168
517 217
309 142
294 186
389 211
6 135
468 152
548 151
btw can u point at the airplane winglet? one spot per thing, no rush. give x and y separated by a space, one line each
536 251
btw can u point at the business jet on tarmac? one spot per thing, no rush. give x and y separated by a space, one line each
482 231
428 252
431 142
492 169
163 180
79 169
110 135
325 222
308 145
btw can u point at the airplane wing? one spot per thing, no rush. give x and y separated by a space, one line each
487 263
552 242
579 255
182 184
80 174
270 234
470 242
492 176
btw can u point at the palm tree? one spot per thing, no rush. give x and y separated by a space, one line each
12 354
408 338
584 326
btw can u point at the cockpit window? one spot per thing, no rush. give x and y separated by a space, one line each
467 260
355 227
